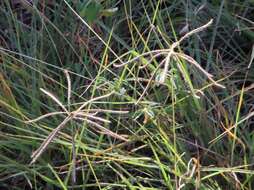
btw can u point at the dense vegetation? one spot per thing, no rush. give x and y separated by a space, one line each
126 94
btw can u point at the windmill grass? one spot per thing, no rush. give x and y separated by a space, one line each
132 95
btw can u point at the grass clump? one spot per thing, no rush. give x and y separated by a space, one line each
126 94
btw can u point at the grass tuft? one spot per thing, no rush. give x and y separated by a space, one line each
126 94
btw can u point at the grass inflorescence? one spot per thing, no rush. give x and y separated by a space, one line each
126 94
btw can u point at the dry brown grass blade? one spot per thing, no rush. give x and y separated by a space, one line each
6 91
250 115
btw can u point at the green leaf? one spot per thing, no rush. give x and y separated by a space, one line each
91 11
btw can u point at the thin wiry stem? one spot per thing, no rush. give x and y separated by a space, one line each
150 60
93 99
150 81
156 52
252 57
105 111
251 114
92 30
93 117
103 129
